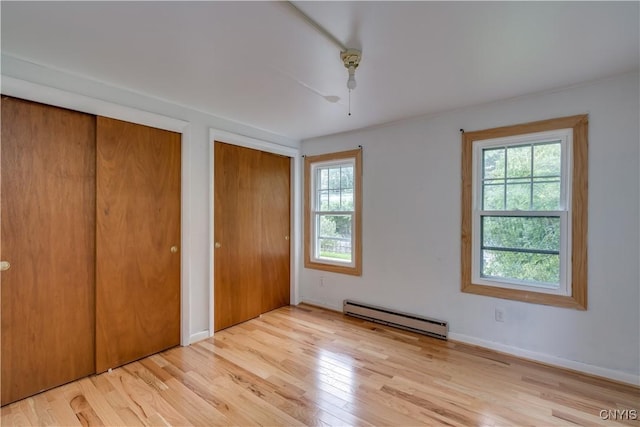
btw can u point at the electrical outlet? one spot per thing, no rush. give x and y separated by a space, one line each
499 315
322 281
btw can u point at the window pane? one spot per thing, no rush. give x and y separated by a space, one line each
334 178
519 161
547 159
322 202
528 233
346 178
493 163
324 178
493 197
334 200
546 195
518 194
334 237
541 270
347 200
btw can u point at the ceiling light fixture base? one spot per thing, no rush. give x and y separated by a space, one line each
351 58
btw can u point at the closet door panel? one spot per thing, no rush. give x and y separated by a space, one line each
237 235
138 238
276 207
48 237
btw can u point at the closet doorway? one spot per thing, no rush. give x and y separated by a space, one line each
252 206
90 245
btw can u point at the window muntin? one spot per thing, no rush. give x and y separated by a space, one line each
333 205
520 227
524 177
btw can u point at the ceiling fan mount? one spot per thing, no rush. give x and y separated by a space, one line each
351 59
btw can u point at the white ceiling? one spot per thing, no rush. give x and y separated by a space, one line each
259 64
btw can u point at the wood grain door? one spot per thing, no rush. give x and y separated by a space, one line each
137 242
48 237
275 182
237 223
251 228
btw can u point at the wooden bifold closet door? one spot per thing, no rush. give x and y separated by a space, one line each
48 237
251 232
90 225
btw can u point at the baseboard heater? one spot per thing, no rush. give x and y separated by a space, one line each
397 319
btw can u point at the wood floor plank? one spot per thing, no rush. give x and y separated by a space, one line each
308 366
194 408
144 400
95 403
63 414
203 387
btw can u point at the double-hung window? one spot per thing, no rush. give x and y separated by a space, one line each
333 212
524 229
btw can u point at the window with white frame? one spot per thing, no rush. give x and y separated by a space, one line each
332 212
520 218
519 212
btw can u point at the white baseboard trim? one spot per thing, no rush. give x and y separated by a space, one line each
321 304
199 336
549 360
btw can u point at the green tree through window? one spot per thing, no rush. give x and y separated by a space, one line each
523 178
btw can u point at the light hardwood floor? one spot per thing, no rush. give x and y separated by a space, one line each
307 366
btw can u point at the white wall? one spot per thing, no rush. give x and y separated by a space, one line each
196 210
411 231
